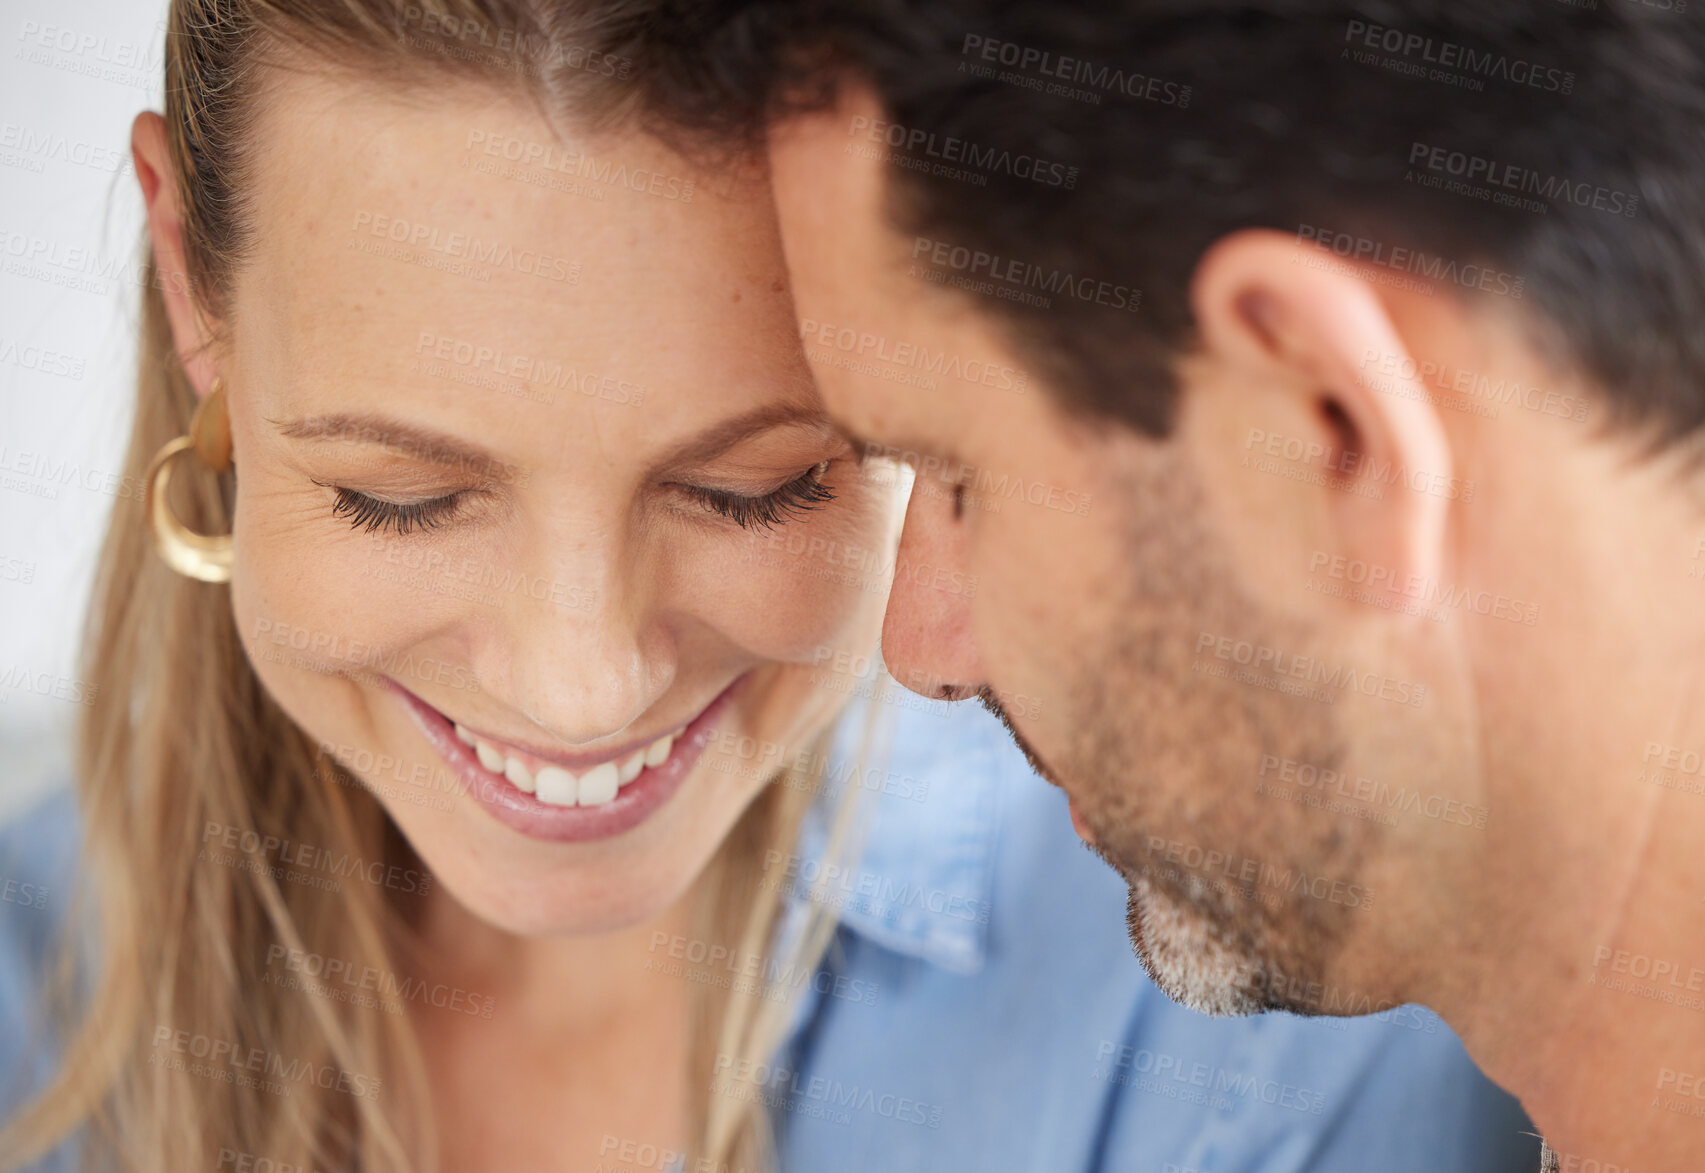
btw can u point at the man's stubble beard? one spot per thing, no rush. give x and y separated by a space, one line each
1157 749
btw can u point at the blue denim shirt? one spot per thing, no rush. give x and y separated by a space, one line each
979 1006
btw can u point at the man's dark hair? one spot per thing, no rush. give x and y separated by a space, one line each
1539 156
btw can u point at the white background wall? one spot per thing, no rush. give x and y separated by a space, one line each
73 74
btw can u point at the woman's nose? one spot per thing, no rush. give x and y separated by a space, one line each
586 658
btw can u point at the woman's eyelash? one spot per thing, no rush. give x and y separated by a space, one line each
803 494
370 513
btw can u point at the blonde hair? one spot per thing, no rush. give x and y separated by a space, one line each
182 735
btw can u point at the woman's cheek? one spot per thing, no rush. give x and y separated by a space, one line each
305 601
807 597
806 588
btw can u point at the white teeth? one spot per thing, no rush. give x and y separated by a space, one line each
518 774
599 784
557 786
658 751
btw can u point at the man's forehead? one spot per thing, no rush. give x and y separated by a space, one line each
882 425
907 367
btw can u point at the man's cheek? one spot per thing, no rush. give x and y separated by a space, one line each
1025 630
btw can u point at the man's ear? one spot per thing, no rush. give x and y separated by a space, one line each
190 330
1305 345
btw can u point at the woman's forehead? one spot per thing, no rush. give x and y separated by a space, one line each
393 254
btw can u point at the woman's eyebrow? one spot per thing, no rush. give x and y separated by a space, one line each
420 443
441 448
720 437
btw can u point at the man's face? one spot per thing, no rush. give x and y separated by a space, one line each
1072 573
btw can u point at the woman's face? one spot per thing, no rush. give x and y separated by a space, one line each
525 444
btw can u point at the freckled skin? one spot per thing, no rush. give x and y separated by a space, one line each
580 595
577 345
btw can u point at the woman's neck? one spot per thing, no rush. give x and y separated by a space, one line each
586 1043
563 984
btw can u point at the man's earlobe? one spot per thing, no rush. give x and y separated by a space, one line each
1291 339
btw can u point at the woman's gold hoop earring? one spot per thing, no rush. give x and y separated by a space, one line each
199 556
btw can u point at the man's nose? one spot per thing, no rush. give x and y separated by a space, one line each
927 638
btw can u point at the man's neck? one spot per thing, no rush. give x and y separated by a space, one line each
1582 988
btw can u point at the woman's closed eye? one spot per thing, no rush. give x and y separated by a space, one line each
780 505
801 495
374 513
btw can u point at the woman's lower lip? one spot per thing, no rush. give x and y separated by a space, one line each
526 814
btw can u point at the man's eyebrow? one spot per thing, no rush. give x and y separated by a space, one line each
903 451
420 443
862 449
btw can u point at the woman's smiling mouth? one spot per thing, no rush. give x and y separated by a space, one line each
553 782
568 800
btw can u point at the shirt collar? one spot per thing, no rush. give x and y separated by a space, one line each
920 884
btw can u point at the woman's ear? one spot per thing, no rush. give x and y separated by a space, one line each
190 332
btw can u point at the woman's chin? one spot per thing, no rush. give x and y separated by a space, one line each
569 901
